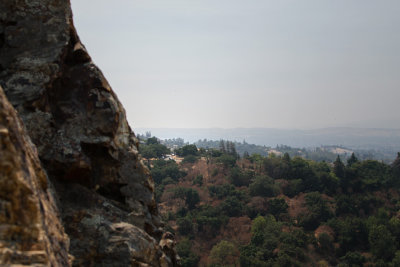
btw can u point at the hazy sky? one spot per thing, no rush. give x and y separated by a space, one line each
257 63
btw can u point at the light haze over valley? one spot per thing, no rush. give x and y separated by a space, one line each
265 64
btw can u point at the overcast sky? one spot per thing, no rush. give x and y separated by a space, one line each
258 63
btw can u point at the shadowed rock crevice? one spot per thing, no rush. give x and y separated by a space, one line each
112 191
2 41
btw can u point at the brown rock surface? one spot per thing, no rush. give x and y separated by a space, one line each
30 228
82 136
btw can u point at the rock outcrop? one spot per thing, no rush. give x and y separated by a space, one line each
84 142
30 228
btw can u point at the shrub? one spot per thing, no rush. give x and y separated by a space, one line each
346 205
277 168
293 188
296 238
189 159
353 259
263 186
325 243
198 180
190 195
163 169
352 233
225 190
240 178
373 173
184 226
227 160
224 254
394 227
318 211
210 219
396 259
277 206
214 172
188 258
382 242
232 207
264 240
187 150
168 180
154 151
152 141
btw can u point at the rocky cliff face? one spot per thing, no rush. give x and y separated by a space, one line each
84 142
30 227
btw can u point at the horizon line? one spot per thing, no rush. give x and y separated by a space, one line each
269 128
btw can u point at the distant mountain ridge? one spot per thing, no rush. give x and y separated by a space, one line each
358 138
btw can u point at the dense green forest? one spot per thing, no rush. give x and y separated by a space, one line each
298 212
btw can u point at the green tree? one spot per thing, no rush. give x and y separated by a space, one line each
192 198
240 178
339 168
227 160
232 207
189 159
225 254
154 150
293 187
396 164
325 244
222 147
215 153
188 258
263 186
166 168
231 148
373 174
277 206
286 158
302 169
190 195
265 232
209 220
353 259
185 225
352 233
187 150
160 150
147 152
395 181
346 205
394 227
318 211
382 242
353 159
152 141
276 167
329 182
198 180
396 259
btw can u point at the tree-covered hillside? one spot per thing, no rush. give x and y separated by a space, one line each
227 210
